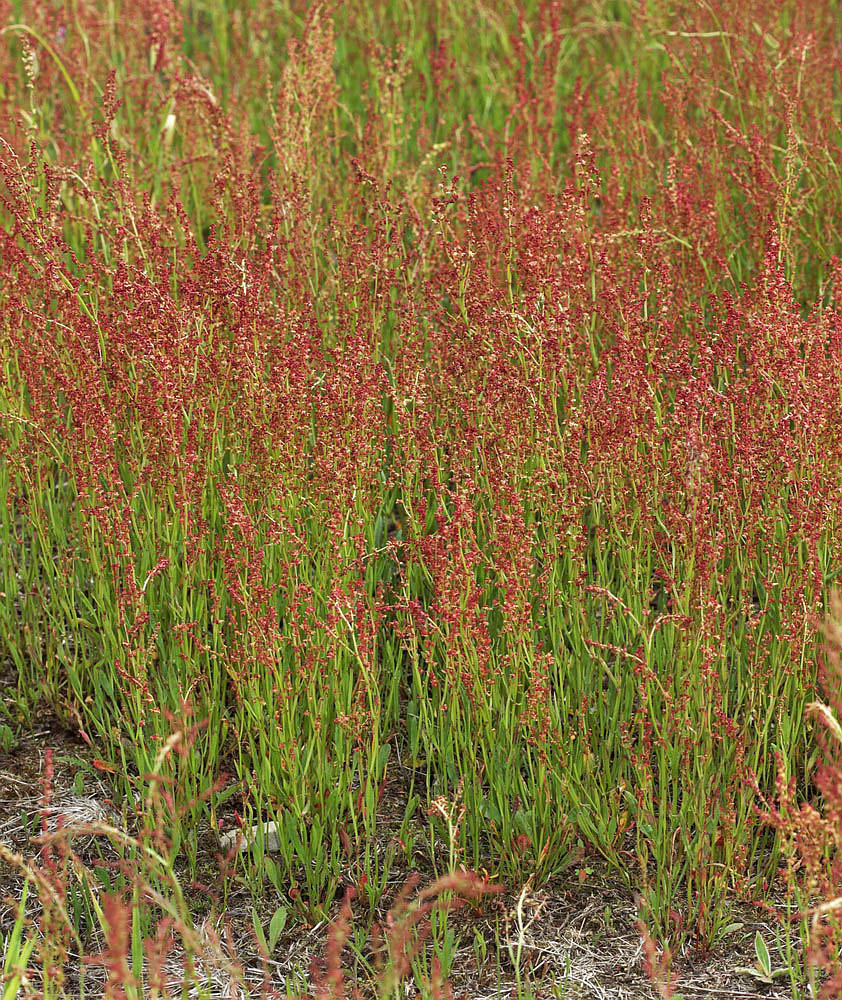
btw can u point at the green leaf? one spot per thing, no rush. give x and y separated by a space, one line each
523 820
276 927
762 952
755 973
258 930
137 941
273 871
490 812
13 941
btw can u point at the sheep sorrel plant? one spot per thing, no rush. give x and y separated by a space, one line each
810 833
420 449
